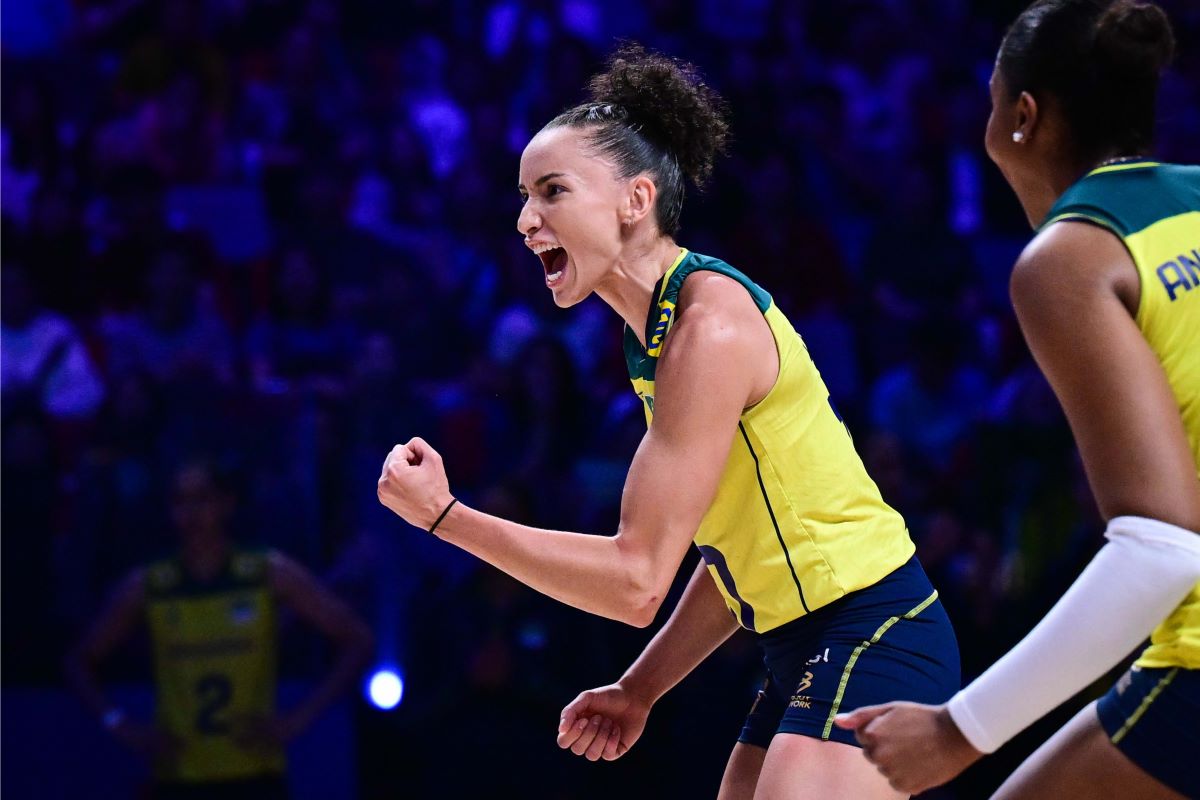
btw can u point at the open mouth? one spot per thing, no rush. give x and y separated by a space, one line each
554 262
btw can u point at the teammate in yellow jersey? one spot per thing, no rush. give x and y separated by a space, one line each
744 456
1108 296
211 614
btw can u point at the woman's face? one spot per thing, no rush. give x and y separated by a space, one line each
1024 162
997 139
198 505
1020 162
573 207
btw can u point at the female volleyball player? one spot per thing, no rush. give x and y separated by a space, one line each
1108 296
744 455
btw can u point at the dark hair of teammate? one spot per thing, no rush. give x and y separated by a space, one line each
1100 61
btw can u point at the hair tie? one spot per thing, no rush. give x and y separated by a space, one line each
443 515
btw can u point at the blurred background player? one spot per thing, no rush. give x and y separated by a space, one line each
212 614
745 455
1108 296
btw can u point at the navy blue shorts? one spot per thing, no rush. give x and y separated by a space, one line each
890 641
1153 717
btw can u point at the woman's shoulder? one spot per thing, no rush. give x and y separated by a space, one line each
1070 257
717 276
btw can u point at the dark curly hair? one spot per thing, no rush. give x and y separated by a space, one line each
653 114
1101 59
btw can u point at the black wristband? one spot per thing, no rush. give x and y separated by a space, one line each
443 516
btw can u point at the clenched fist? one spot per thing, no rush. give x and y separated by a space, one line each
413 483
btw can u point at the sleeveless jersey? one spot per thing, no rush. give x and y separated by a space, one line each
796 522
214 666
1155 209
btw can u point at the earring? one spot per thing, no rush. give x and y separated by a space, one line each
1018 137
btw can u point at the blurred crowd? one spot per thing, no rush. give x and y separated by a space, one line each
283 234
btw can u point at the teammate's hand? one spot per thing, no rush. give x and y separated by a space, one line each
916 747
413 483
603 723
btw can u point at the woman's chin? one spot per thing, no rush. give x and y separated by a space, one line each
565 298
569 292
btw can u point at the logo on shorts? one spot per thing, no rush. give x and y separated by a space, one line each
1124 682
802 700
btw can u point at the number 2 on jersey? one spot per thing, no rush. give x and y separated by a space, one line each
215 691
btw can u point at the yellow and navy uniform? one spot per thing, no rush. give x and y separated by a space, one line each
214 666
796 523
1155 210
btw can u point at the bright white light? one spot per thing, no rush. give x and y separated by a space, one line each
386 689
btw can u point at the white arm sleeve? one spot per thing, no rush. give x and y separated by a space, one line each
1139 577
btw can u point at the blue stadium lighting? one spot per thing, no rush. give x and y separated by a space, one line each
386 689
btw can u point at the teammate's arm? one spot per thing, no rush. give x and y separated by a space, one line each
713 366
113 628
1075 290
607 721
296 589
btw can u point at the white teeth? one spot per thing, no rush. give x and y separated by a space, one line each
553 276
545 247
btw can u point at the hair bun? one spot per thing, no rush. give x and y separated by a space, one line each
1134 38
669 103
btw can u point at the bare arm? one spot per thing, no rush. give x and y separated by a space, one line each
114 627
606 721
713 367
1073 289
298 590
700 623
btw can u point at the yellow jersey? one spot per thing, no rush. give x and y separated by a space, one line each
1155 209
796 522
214 667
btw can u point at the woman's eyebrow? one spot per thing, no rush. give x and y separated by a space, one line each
543 179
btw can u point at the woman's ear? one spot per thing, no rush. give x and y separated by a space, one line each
640 201
1027 117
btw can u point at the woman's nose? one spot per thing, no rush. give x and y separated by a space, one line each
528 221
